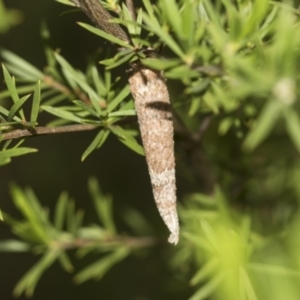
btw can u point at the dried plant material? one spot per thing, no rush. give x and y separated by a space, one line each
153 109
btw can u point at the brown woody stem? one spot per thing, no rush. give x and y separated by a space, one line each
19 133
102 18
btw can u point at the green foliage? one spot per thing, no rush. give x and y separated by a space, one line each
106 36
226 253
108 105
52 239
7 153
252 46
232 68
8 18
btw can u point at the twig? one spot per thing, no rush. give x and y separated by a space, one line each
95 11
130 6
51 82
131 242
212 71
20 133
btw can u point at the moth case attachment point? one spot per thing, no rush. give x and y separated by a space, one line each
154 114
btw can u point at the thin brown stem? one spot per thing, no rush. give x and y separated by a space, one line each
132 242
20 133
51 82
130 6
102 18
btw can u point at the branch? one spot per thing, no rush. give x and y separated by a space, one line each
131 242
41 130
20 133
130 6
101 18
51 82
